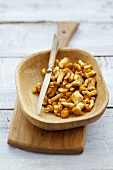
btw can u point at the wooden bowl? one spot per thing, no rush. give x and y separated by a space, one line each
28 73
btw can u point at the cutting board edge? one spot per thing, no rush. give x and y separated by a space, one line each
30 148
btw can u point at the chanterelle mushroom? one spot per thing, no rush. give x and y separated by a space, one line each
63 62
76 97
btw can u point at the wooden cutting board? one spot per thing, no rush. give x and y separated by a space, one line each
25 135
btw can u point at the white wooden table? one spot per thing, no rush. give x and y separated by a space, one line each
28 26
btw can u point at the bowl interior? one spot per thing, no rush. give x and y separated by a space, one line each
28 74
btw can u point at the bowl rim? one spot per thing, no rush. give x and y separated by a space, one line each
41 120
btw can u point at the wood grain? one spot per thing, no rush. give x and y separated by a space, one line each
20 40
90 11
48 141
7 74
99 142
95 35
25 135
66 31
28 74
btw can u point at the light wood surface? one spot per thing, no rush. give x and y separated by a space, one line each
22 40
8 90
25 135
36 11
27 27
28 74
50 142
65 32
97 144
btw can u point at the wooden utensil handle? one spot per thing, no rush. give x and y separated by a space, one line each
54 50
65 32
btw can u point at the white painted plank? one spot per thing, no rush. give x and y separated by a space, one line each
98 153
23 39
106 65
7 80
57 10
18 40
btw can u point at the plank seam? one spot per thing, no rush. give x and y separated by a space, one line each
8 109
23 56
51 21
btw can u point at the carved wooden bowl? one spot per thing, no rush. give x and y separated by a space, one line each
28 73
